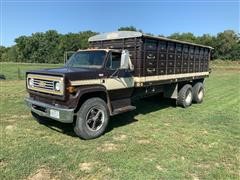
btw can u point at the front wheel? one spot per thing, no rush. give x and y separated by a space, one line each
92 119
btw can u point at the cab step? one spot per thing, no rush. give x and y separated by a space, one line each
123 109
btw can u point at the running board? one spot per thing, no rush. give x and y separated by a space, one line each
123 109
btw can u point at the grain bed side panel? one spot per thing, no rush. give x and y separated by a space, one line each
151 56
162 57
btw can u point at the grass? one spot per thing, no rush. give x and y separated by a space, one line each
16 71
157 141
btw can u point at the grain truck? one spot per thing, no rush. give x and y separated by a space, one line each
117 68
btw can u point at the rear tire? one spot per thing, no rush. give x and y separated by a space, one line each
92 119
185 96
198 92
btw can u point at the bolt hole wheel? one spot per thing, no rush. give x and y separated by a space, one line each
92 119
95 119
185 96
198 92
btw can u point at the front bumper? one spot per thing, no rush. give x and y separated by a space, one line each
42 109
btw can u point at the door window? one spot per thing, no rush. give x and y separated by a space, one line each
114 61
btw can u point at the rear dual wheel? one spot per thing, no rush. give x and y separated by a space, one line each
185 96
188 94
198 92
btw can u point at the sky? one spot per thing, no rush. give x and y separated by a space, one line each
24 17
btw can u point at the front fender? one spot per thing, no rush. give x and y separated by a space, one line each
85 92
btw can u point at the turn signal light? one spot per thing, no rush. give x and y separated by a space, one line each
71 89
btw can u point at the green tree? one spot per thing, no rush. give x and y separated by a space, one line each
189 37
2 51
74 41
39 47
10 54
25 48
226 43
206 39
49 46
129 28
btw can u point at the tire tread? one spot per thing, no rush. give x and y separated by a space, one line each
182 96
79 128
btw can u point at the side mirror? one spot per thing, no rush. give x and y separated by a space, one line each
126 61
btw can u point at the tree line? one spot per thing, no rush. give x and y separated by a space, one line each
50 46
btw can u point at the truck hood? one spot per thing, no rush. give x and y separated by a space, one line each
70 73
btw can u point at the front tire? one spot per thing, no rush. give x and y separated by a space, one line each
185 96
198 92
92 119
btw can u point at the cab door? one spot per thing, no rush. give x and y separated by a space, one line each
119 82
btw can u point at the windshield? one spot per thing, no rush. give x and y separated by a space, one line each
87 59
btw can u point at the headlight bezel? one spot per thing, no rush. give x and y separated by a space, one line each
30 82
58 86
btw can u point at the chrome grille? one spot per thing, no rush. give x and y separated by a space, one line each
45 84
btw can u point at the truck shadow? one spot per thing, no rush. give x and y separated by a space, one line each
65 128
143 106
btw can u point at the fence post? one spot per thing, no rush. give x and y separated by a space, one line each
19 74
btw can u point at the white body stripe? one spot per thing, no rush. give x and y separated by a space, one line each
119 83
168 77
128 82
110 83
86 82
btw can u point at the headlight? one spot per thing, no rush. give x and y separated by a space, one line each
57 86
30 82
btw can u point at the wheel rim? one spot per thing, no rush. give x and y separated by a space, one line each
189 97
200 94
95 119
